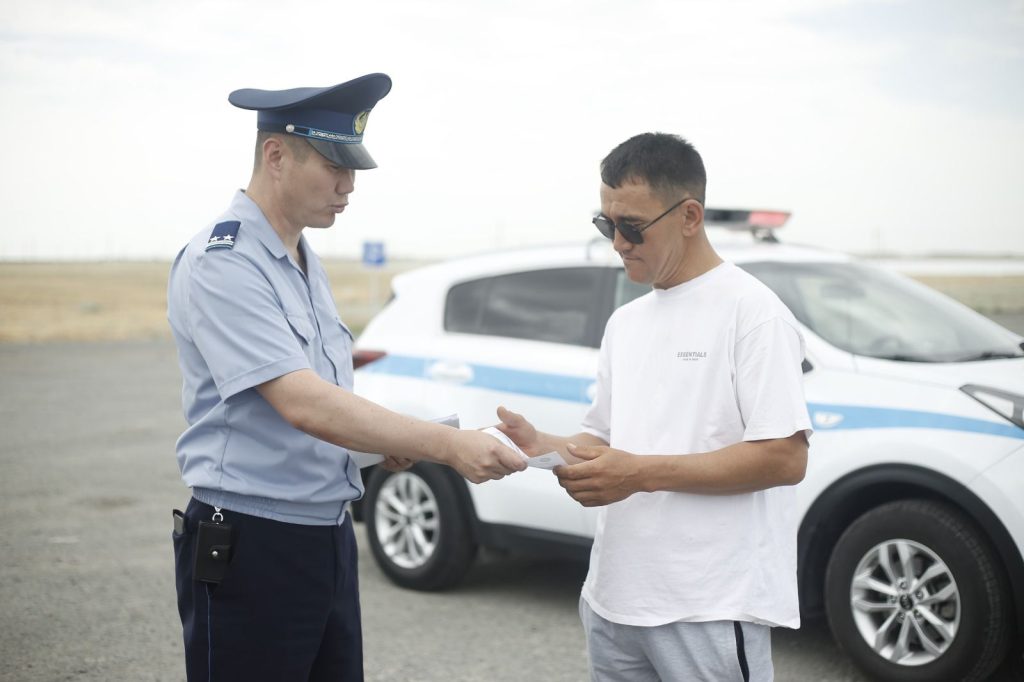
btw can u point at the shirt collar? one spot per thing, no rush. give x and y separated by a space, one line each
689 285
246 209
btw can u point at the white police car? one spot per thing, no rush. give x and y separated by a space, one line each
912 508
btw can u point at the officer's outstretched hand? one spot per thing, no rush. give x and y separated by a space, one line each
606 475
481 457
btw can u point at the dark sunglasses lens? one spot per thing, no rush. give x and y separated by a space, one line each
632 235
607 228
604 226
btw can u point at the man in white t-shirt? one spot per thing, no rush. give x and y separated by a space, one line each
693 443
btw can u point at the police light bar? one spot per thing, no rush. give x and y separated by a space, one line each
735 219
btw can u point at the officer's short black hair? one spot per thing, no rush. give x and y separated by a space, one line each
667 163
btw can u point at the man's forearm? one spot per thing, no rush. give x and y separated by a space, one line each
337 416
741 468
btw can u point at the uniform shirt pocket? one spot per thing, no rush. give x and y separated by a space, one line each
345 329
302 327
339 350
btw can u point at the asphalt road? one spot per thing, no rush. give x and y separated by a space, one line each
86 578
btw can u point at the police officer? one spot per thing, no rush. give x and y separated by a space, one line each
265 554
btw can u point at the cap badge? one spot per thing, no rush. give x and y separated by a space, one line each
359 123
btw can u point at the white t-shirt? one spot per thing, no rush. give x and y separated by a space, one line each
705 364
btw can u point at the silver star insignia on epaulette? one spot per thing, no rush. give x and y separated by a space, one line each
226 241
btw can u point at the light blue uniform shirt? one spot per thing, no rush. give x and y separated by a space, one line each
243 313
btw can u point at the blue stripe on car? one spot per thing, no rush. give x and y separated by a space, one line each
832 417
824 417
540 384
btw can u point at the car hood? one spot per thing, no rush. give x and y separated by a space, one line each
1007 374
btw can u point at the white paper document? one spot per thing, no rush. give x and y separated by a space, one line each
548 460
365 459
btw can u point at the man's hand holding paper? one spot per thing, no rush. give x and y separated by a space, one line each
547 460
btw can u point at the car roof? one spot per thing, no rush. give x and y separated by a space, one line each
733 245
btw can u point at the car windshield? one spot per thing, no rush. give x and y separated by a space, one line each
876 313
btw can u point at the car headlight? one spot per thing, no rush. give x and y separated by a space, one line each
1005 404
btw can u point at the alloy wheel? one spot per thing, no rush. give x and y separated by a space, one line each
406 520
905 602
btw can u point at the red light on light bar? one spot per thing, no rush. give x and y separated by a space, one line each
771 219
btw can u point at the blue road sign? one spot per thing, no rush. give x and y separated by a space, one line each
373 254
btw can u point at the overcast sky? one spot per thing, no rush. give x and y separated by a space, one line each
893 124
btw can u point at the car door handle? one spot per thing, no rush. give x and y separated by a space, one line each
451 372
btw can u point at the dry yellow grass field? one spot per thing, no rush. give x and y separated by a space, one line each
127 300
987 295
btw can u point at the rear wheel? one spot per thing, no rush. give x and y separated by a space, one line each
419 531
913 592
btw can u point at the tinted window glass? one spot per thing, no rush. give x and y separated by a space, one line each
869 311
626 289
541 305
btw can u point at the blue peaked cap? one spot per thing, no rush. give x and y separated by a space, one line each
332 119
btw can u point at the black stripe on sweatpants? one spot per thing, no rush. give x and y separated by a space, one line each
741 651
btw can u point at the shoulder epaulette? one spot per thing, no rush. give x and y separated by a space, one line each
223 235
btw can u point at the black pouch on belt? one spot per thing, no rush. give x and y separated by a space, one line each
213 551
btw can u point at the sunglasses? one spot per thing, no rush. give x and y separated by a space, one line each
631 233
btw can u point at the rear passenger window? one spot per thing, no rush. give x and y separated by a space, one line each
559 306
626 289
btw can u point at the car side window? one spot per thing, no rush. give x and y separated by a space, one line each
872 312
555 305
626 289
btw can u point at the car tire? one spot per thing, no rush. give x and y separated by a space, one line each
419 530
913 592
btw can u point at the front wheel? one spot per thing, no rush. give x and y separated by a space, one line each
419 530
914 593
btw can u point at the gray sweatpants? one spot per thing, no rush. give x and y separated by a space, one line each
715 651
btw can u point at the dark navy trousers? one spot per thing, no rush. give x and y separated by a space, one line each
287 610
